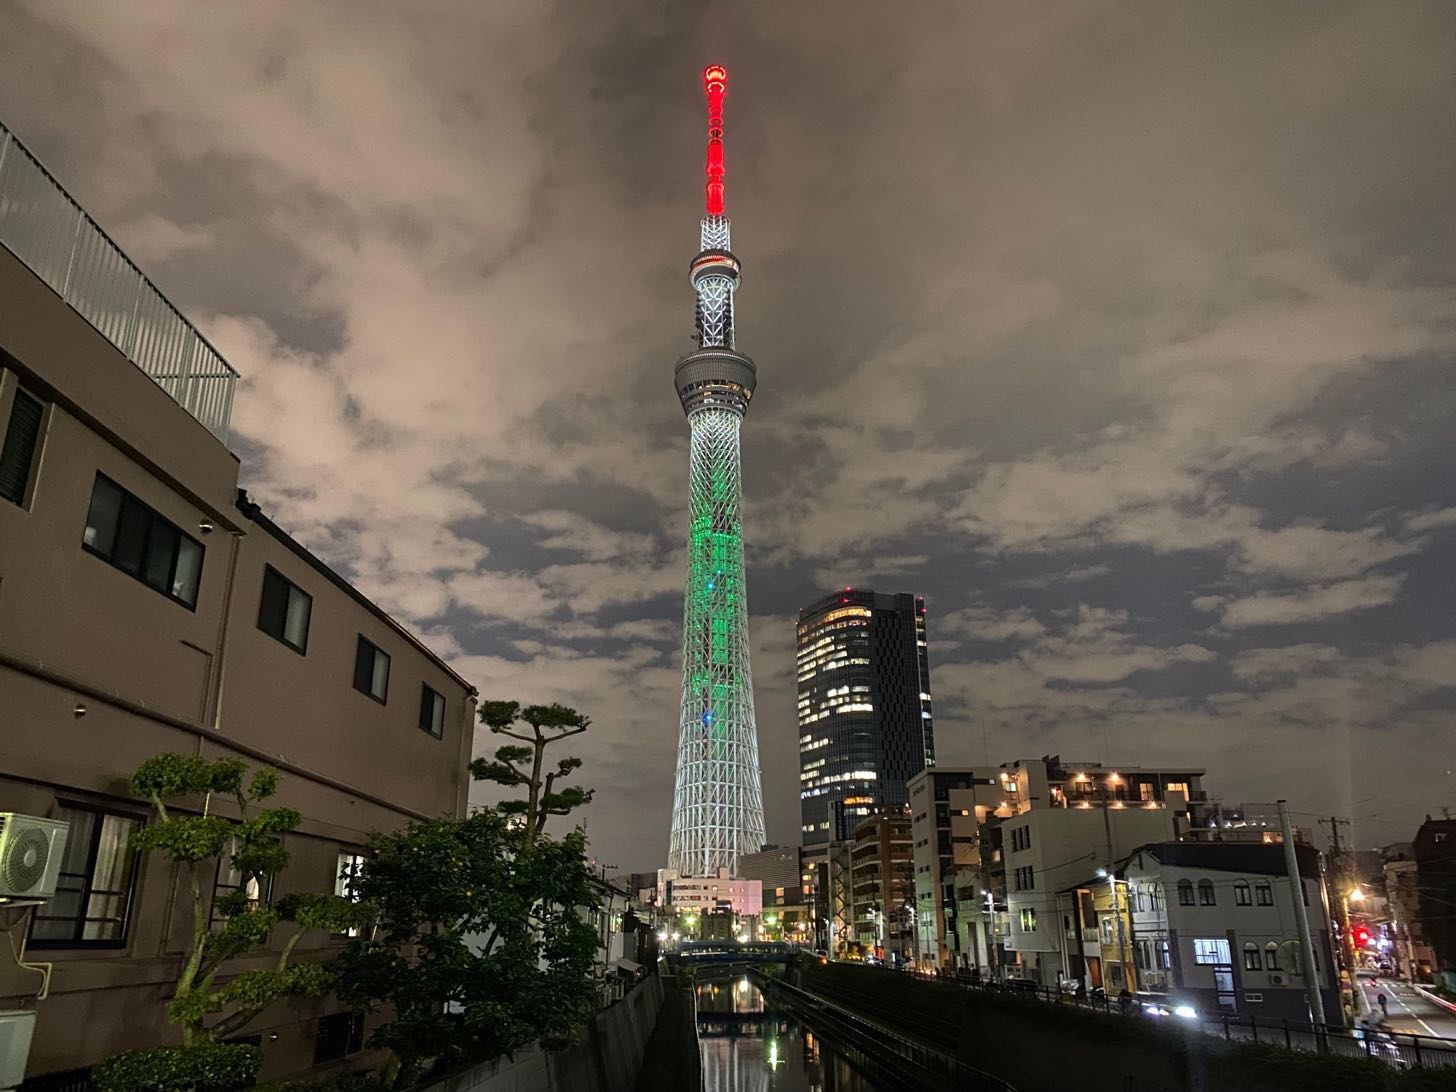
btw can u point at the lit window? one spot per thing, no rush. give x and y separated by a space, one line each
92 903
1211 951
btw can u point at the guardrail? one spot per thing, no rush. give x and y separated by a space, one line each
1402 1049
867 1042
43 226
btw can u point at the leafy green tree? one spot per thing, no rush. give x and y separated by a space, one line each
547 724
236 925
480 945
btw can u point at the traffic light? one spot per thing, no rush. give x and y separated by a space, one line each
1361 936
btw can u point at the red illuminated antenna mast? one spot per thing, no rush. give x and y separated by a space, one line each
715 82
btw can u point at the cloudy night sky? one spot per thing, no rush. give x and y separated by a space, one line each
1123 332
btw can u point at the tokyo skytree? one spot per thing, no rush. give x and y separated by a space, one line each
717 809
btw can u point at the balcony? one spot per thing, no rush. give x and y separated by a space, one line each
52 235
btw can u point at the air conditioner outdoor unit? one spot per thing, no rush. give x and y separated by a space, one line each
16 1027
1277 979
30 856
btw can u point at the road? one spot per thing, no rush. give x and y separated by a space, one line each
1409 1010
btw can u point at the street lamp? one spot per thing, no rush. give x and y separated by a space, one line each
1112 883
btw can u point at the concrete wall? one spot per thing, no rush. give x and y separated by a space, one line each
607 1059
155 675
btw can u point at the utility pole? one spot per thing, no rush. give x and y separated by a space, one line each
1341 880
1112 879
1301 918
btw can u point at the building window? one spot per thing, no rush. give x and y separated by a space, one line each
1211 951
346 876
1185 892
284 611
92 904
1025 878
1206 895
1251 957
1028 920
258 890
432 712
1165 955
1263 893
371 670
1271 956
131 536
1155 896
1242 894
338 1036
17 455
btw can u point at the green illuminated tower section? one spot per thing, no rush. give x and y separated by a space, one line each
717 813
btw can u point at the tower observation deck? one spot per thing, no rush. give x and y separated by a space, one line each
717 812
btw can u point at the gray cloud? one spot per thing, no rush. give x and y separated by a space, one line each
1120 333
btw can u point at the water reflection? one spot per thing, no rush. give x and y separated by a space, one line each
748 1046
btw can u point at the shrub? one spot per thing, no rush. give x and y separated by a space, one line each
203 1067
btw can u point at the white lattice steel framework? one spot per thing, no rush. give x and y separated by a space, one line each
717 813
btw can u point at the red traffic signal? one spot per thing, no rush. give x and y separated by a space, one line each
1361 935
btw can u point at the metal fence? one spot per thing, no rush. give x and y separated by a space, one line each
1398 1048
47 230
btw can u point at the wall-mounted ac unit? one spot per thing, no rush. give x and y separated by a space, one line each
1277 979
16 1027
30 856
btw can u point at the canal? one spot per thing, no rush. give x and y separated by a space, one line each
747 1045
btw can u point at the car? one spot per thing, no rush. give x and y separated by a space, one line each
1020 985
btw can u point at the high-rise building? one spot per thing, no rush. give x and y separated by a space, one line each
717 810
864 708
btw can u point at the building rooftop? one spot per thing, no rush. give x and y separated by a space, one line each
254 513
1257 858
44 227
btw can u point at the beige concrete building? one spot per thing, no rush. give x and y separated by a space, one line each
147 606
993 845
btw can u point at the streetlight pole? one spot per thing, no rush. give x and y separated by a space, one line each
1112 880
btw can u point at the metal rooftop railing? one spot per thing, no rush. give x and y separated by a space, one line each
46 229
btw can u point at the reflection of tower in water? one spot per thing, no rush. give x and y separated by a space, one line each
745 1045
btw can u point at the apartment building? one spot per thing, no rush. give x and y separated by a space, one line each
1412 953
788 904
993 845
882 887
146 606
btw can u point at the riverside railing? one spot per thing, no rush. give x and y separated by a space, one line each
1401 1049
43 226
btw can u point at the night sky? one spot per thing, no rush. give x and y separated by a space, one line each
1122 332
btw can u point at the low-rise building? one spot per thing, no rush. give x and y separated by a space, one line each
1411 952
787 893
707 894
993 846
148 606
1216 924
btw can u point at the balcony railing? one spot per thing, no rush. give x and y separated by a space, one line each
46 229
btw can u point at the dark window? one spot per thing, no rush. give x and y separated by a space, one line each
1263 893
338 1036
1271 956
1206 896
1241 894
371 670
432 712
1251 957
134 538
1185 892
92 903
285 609
17 456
